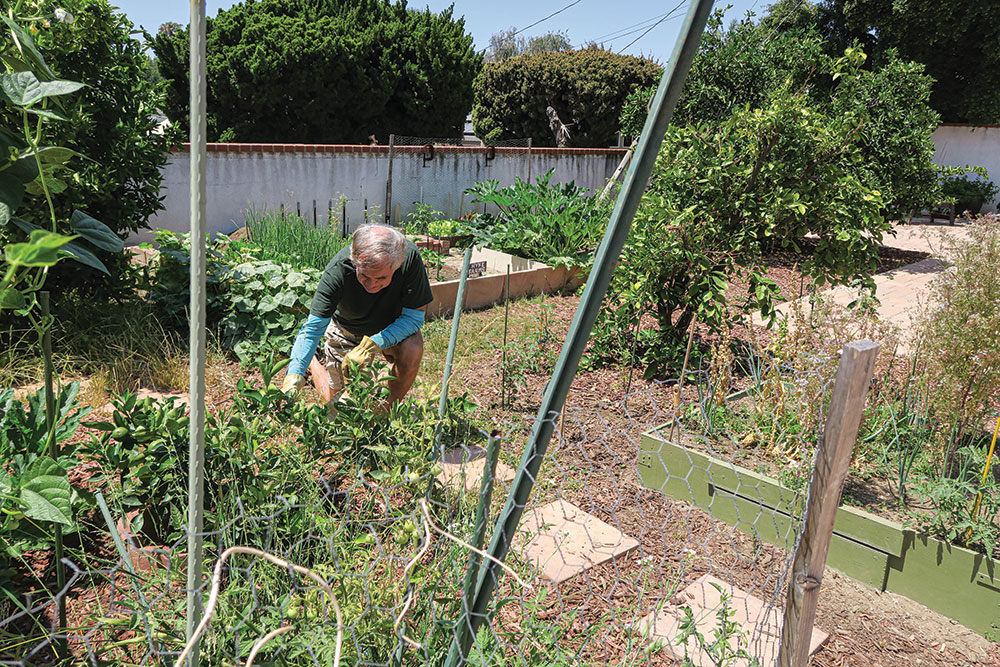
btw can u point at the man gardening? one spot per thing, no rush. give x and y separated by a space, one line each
370 302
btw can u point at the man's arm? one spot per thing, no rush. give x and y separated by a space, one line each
404 326
306 342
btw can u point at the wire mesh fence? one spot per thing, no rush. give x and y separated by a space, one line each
641 507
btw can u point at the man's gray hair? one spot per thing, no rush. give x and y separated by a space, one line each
375 245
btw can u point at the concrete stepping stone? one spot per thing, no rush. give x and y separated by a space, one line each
761 625
563 540
471 461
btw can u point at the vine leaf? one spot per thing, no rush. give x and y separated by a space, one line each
46 493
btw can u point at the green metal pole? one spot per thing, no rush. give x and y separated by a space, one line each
638 174
482 515
196 463
446 377
50 439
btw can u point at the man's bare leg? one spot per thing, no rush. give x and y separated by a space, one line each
404 363
321 380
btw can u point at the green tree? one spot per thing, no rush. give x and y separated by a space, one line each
586 88
741 66
725 193
956 42
506 44
326 71
116 174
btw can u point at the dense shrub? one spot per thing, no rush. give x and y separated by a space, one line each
721 196
116 178
586 88
740 67
327 72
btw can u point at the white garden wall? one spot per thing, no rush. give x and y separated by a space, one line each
350 178
959 145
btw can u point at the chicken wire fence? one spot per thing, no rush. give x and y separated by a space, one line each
634 504
504 160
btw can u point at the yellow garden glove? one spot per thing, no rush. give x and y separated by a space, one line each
363 355
293 383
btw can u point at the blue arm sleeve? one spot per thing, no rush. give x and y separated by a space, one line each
305 343
404 326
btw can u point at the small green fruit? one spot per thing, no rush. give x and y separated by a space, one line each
293 611
119 433
413 477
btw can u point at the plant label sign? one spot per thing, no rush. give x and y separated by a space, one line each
477 268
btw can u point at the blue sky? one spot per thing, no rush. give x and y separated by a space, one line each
616 24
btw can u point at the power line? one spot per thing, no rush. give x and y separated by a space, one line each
632 32
626 30
575 2
652 26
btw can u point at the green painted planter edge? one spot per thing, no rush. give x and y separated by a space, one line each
954 581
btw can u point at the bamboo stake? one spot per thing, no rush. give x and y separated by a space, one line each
832 462
986 471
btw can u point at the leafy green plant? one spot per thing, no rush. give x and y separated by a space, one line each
265 304
723 195
445 227
968 192
952 499
727 646
288 239
35 492
433 260
556 223
256 305
110 166
420 219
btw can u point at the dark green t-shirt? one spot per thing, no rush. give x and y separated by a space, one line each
340 294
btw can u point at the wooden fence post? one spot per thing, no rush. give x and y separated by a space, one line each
857 361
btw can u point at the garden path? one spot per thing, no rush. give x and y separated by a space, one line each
902 292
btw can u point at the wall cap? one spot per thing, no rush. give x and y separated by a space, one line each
400 150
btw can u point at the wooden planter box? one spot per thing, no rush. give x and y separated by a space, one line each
956 582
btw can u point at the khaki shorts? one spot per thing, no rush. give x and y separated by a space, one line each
336 344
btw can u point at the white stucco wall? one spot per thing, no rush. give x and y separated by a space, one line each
263 177
959 145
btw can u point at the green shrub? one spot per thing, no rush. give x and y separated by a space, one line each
586 88
721 196
957 333
559 224
741 67
326 72
117 179
965 190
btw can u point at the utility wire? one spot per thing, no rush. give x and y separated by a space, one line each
626 30
632 32
652 26
575 2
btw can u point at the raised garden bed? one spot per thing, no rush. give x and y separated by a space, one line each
956 582
527 278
